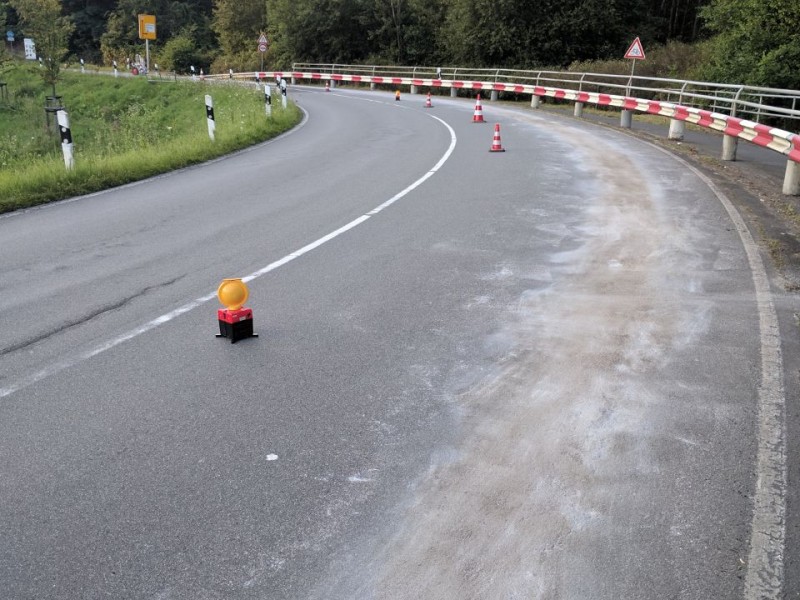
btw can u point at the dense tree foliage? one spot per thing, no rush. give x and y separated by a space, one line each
238 23
756 42
5 55
51 29
752 41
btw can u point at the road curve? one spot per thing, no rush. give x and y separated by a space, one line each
553 372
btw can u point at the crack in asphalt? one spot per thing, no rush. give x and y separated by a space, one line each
108 308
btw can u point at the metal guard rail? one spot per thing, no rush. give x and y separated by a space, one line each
701 103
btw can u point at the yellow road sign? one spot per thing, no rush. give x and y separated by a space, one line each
147 27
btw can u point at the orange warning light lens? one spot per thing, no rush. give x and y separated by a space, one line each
232 293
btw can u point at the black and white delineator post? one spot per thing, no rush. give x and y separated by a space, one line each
83 68
283 92
210 116
66 138
116 73
268 100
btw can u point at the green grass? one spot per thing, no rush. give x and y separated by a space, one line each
123 130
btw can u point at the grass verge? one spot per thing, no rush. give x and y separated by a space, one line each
123 130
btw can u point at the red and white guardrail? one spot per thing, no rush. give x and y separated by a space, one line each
784 142
779 140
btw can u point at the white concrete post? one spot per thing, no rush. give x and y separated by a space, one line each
66 138
536 101
626 119
453 92
676 129
729 144
210 117
493 96
578 112
791 181
413 89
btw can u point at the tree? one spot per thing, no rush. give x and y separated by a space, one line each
43 21
181 52
5 56
757 42
89 17
173 18
238 24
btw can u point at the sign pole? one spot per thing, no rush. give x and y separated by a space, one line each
630 80
147 56
262 47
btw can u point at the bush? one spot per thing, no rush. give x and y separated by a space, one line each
180 53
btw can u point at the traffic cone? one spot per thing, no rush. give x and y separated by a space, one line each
327 86
496 145
477 117
428 101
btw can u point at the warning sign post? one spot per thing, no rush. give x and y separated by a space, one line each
635 52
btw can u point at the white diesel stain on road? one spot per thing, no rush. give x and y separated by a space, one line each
560 472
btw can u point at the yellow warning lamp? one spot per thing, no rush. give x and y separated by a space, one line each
235 321
232 293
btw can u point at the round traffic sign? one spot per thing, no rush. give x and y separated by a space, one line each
262 47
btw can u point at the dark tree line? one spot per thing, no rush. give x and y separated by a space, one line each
749 41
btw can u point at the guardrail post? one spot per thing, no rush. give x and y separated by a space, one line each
676 129
454 89
626 119
729 142
578 112
791 180
535 100
494 95
729 145
372 84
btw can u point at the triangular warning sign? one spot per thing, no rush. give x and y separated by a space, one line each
635 51
263 38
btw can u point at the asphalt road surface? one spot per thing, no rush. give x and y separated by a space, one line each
554 372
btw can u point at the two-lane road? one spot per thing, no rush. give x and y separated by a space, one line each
547 373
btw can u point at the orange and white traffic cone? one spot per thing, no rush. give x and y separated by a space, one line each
496 145
428 101
327 86
477 117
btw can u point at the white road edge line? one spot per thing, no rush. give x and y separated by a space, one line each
765 568
165 318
